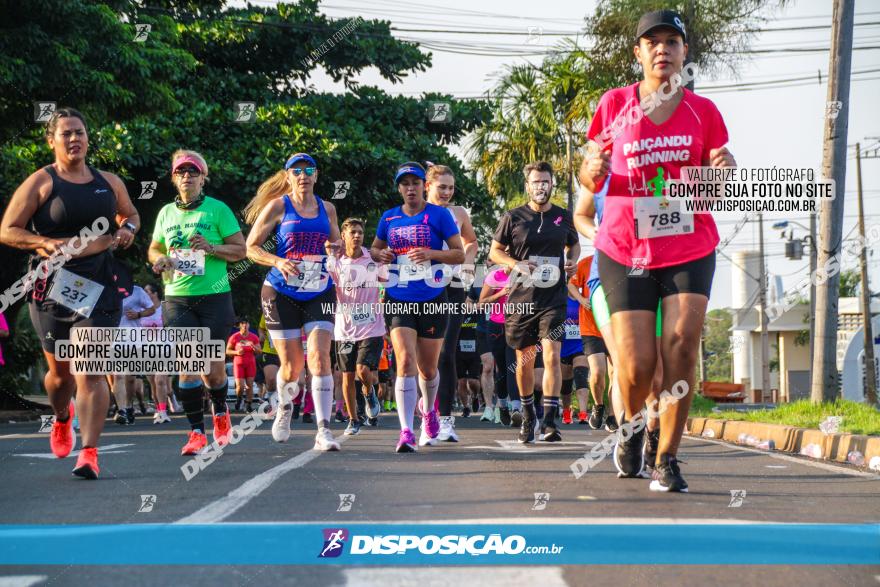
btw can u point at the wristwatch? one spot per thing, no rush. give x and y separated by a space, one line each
130 226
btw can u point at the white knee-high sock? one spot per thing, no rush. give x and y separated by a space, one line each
322 395
287 390
429 388
406 396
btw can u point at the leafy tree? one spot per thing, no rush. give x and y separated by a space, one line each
177 89
718 344
539 113
850 282
718 32
542 112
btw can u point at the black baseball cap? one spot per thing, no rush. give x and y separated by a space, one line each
661 18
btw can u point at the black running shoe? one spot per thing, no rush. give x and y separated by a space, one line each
667 476
516 419
465 412
597 417
628 456
237 405
504 414
550 433
372 421
295 415
652 440
129 416
339 416
527 429
120 418
611 423
307 419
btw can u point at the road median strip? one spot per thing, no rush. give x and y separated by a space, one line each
791 439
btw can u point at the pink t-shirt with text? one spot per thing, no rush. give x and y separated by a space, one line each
684 140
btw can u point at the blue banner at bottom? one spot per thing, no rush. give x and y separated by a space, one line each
439 544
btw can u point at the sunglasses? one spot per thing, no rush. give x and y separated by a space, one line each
192 171
310 171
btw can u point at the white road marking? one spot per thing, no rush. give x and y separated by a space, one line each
22 580
784 457
432 577
515 446
109 449
219 510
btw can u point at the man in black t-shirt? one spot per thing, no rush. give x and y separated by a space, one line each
539 245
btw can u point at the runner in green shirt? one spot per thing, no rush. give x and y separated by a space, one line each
193 240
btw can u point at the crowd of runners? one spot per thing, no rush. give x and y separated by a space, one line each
408 321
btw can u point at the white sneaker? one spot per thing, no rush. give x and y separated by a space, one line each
324 440
488 415
497 415
175 405
425 440
161 417
281 425
447 429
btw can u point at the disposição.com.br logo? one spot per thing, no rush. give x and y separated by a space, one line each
453 544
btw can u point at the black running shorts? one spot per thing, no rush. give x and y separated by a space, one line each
362 352
594 345
287 315
212 311
420 316
628 288
525 330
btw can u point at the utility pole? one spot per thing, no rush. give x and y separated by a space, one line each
870 375
762 300
814 255
824 380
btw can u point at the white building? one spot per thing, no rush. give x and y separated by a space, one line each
790 340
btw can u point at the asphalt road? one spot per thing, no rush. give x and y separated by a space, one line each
484 478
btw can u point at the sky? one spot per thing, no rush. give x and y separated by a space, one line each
776 126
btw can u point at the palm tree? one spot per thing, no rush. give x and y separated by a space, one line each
538 113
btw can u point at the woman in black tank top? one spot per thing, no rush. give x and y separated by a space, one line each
71 216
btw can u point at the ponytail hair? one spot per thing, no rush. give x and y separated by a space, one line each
274 187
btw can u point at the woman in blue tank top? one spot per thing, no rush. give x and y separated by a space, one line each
298 295
411 236
67 214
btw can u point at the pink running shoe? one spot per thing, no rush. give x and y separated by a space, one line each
407 442
430 421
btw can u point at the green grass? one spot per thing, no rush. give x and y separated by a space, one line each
858 418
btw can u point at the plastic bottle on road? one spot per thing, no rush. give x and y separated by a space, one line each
709 433
812 450
766 445
874 465
856 458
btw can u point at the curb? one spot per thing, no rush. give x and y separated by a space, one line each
790 439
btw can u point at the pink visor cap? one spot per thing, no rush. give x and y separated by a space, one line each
184 159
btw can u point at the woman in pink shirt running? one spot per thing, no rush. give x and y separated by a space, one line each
643 135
